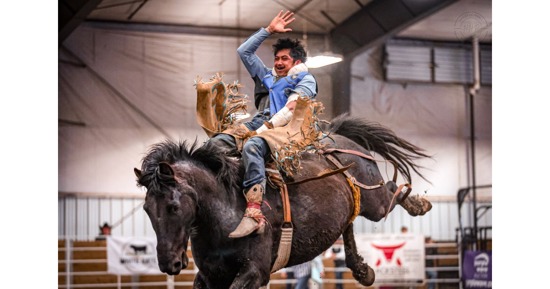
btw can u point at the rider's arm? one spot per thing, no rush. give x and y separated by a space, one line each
247 52
306 88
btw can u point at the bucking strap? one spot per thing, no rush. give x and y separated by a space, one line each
352 152
365 156
353 183
333 160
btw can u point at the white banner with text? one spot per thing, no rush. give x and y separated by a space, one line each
132 255
395 258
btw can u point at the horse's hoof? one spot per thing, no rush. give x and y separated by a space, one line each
370 277
364 277
427 206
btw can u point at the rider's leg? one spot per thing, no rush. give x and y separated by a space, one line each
227 142
254 152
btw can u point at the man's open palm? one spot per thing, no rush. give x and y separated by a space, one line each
280 21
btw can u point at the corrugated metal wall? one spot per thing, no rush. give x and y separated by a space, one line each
453 65
408 63
423 61
80 219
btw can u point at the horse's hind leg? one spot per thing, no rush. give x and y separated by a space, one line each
361 271
414 205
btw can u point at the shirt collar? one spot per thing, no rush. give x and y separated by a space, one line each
294 70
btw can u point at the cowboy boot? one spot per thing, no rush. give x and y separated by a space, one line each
253 218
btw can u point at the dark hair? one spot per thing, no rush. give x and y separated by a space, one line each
297 51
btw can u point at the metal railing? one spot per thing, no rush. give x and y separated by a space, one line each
170 282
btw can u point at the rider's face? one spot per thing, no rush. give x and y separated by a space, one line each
284 62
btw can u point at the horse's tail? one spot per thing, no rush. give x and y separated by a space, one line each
381 140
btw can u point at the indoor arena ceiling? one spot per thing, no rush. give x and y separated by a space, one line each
350 24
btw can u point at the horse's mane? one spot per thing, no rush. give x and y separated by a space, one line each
377 138
207 156
228 170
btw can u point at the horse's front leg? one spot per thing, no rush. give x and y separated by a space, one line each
250 277
199 281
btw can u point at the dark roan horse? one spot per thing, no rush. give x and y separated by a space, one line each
194 192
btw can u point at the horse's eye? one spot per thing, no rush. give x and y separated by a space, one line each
173 208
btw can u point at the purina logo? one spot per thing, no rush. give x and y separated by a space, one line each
481 263
388 252
469 24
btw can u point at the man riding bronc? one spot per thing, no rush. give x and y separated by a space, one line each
288 80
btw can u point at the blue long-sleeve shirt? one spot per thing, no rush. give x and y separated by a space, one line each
305 86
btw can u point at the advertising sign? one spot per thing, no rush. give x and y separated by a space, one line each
476 269
132 255
395 258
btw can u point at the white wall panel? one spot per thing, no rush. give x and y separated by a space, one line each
61 216
70 217
116 214
93 216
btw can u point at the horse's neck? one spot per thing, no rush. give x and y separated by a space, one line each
217 206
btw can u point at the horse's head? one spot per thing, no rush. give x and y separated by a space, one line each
171 205
179 182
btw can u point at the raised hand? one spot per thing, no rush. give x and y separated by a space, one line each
280 21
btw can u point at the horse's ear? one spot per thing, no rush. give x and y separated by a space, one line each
138 173
165 169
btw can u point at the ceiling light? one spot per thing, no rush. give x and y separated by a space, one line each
323 60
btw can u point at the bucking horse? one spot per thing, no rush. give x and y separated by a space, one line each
195 196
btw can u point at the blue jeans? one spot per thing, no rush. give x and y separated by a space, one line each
339 275
257 121
302 282
255 151
289 276
431 275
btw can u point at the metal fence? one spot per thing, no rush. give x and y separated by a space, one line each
83 264
81 216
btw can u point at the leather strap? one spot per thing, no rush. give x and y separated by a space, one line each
286 205
337 163
322 175
329 150
355 182
365 156
285 243
409 189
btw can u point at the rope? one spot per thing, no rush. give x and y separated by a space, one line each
356 199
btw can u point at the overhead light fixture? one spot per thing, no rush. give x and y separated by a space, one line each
323 60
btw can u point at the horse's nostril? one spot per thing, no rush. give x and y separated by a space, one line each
177 265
